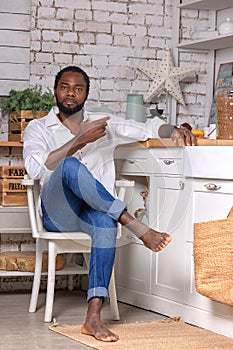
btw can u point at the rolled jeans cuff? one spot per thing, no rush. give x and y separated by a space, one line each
98 292
116 209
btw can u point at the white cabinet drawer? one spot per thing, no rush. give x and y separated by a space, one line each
212 204
168 160
213 162
166 166
136 160
212 185
169 165
14 220
135 165
212 199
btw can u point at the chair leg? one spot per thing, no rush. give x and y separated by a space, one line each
113 298
40 247
70 280
52 253
86 257
70 283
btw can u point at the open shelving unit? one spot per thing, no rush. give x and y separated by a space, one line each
11 144
208 45
207 5
214 43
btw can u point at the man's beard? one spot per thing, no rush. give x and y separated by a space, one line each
69 110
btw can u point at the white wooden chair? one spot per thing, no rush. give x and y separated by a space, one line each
62 242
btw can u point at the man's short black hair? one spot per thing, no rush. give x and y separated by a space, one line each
72 69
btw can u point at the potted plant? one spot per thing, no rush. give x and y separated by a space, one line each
24 105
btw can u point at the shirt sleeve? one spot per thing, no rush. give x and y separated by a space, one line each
35 151
126 131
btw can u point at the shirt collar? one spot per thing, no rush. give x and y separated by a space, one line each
85 115
51 118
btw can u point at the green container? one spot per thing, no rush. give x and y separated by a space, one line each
135 108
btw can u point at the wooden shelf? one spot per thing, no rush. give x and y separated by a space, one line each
207 5
215 43
11 144
69 269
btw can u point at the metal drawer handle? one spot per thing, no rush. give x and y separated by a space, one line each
212 187
132 161
168 161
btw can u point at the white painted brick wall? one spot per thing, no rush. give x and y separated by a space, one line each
64 13
104 39
84 15
64 59
109 39
45 12
86 38
111 6
44 57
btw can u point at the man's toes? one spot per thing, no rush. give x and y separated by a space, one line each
110 338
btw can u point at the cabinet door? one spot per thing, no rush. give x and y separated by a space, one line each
132 268
132 264
171 200
211 200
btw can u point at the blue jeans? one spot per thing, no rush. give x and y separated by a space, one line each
73 200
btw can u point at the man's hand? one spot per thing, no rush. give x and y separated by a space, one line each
183 137
88 132
91 131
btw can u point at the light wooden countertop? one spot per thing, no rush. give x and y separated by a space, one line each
152 143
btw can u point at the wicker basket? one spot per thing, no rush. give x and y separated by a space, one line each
213 259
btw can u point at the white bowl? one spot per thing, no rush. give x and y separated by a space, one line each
96 116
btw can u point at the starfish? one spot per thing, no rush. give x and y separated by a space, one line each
166 77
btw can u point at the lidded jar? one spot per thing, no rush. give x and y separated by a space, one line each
224 110
226 27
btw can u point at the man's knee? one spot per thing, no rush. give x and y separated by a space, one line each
71 163
72 168
98 219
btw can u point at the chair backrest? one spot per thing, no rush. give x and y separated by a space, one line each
33 195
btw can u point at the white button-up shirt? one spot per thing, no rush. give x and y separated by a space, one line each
42 136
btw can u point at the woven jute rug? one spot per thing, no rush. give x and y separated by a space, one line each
169 334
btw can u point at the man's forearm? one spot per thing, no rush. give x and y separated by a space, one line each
56 156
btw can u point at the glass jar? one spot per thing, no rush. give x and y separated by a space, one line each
224 110
226 27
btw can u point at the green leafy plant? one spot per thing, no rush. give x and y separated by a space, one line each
28 99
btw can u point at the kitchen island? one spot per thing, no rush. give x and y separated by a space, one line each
175 187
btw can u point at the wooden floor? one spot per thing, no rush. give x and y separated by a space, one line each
20 330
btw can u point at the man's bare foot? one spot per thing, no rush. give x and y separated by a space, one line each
154 240
98 330
93 325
